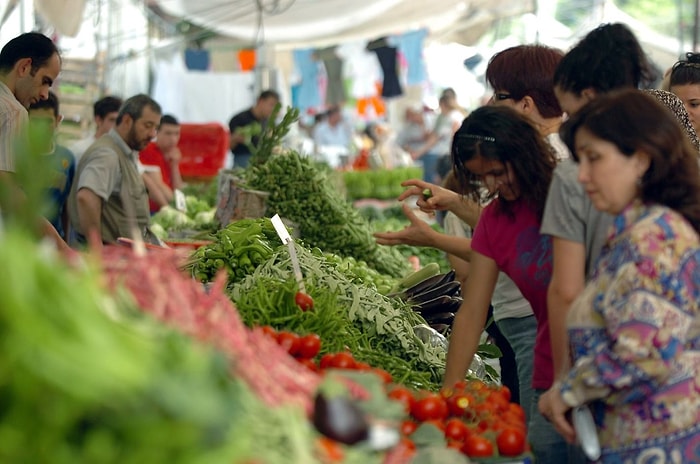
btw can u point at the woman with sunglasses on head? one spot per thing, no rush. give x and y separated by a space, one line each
685 82
635 329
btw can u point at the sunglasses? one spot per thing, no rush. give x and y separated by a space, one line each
501 96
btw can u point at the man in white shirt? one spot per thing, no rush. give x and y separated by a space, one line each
333 137
29 65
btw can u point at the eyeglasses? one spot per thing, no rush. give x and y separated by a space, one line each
501 96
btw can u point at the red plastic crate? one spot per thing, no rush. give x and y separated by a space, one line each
204 148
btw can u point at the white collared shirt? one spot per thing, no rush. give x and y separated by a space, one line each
13 121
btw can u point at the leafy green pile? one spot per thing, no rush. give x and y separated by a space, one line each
376 329
302 193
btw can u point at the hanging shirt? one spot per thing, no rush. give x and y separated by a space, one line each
307 94
388 61
410 45
335 92
197 60
362 67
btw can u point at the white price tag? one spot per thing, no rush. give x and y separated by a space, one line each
180 203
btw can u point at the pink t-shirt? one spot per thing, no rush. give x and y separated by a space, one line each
517 247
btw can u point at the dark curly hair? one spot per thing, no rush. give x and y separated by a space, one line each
634 121
500 133
607 58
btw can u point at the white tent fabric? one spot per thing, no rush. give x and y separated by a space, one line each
325 22
65 15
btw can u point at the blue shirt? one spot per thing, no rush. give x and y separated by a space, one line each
59 185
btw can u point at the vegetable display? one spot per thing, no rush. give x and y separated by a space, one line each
85 379
381 184
240 248
376 329
301 192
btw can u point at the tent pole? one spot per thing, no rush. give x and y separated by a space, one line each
696 24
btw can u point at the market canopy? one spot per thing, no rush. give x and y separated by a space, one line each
295 23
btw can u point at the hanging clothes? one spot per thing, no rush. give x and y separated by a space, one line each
196 59
410 45
307 93
386 54
335 90
361 68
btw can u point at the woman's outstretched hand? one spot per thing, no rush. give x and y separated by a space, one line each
417 233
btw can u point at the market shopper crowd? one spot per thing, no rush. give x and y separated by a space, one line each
607 258
582 233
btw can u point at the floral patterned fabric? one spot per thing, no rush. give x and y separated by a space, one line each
635 340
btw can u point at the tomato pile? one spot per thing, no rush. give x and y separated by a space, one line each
475 418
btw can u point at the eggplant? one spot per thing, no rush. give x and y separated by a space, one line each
451 288
340 419
440 318
436 305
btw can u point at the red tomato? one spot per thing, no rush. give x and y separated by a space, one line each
362 366
343 360
460 385
408 443
403 395
326 361
330 450
408 427
459 403
517 410
304 301
430 407
454 444
384 375
505 392
476 446
308 363
269 331
456 430
289 341
309 346
511 442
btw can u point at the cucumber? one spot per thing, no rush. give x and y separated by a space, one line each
426 272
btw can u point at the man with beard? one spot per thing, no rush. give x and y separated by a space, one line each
109 195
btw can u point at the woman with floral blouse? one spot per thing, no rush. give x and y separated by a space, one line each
635 330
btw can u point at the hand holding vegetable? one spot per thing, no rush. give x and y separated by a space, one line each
439 198
418 233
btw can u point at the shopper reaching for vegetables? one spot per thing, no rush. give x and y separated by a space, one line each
419 233
432 198
500 157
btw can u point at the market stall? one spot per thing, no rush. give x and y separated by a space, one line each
240 344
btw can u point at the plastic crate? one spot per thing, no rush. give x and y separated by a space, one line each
204 148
